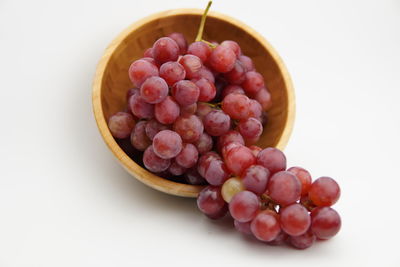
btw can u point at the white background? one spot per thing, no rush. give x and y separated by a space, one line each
65 201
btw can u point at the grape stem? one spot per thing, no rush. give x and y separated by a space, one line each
213 105
209 44
202 23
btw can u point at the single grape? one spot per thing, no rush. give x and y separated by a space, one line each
324 192
139 139
172 72
303 241
205 73
154 90
165 49
295 219
176 169
193 177
231 187
222 59
243 227
189 127
192 65
188 156
233 46
255 150
272 158
279 240
167 144
167 111
216 172
325 222
255 179
231 136
244 206
232 89
255 109
185 92
211 203
238 159
148 52
237 106
304 177
153 162
253 82
121 124
284 188
265 226
150 60
153 127
200 49
247 63
207 89
204 144
217 123
237 74
205 160
140 70
180 41
264 98
250 128
140 108
202 110
228 147
131 92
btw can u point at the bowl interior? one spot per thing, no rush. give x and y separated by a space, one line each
134 41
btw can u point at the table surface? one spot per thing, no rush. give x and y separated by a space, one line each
65 201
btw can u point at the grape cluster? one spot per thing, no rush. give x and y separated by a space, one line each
187 103
274 204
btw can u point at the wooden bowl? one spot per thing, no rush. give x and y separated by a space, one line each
111 81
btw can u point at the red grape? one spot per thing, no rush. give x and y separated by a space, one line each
154 90
222 59
207 89
247 63
194 178
237 74
231 89
324 192
250 128
176 169
255 179
188 156
167 111
172 72
231 136
272 158
244 206
165 49
204 144
131 92
153 127
180 41
189 127
189 110
150 60
140 70
279 240
264 98
200 49
304 178
192 65
243 227
216 172
153 162
228 147
167 144
121 124
238 159
284 188
253 82
255 109
140 108
303 241
232 45
210 201
148 52
185 92
325 222
295 219
202 110
237 106
265 226
205 160
217 123
255 150
139 139
205 73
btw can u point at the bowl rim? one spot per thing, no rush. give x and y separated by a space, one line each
130 165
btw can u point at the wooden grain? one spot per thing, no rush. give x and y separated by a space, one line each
111 81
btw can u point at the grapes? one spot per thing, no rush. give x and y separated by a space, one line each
148 52
222 59
253 82
154 90
238 159
192 65
255 179
194 178
185 92
231 136
217 123
233 46
265 226
140 108
165 49
244 206
216 172
255 150
203 109
188 156
131 92
295 219
231 89
210 202
176 169
167 144
243 227
167 111
250 129
153 127
139 138
324 192
247 63
153 162
272 158
237 74
180 41
172 72
255 109
284 188
189 110
264 98
279 240
325 222
121 124
204 161
304 177
150 60
189 127
204 144
205 73
303 241
231 187
140 70
200 49
207 89
237 106
228 147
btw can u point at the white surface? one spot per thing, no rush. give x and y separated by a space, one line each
65 201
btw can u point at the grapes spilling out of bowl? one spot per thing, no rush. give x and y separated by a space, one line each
195 112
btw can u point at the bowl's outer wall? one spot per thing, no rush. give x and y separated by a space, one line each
112 82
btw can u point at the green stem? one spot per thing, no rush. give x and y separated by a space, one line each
209 44
202 22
